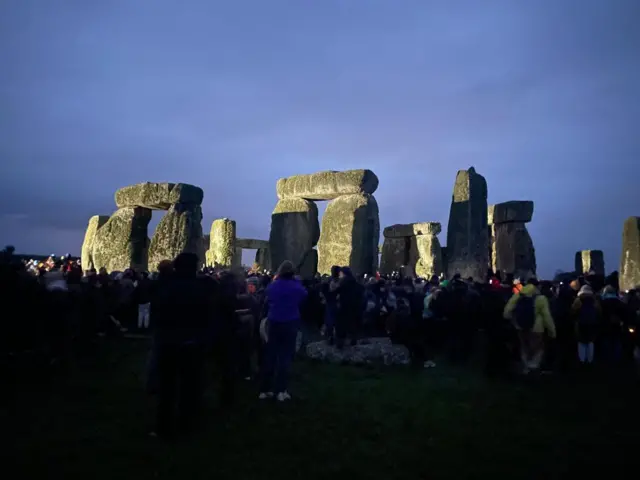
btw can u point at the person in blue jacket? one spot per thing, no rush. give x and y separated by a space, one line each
284 296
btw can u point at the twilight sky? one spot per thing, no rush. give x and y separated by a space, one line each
542 97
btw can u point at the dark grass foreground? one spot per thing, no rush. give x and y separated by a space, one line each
345 423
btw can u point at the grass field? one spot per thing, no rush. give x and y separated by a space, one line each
344 423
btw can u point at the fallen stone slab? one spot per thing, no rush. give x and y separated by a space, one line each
158 196
516 211
327 185
366 352
412 229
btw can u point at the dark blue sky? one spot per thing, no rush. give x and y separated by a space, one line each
542 97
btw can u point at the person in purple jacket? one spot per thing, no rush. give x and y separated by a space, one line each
284 297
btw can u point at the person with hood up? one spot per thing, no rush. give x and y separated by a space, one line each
531 316
284 296
587 312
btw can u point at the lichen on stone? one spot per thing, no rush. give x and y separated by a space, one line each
86 256
350 234
158 196
180 230
467 234
327 185
122 241
429 261
589 261
512 250
222 246
412 229
630 259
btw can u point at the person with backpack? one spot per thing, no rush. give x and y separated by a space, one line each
530 314
587 312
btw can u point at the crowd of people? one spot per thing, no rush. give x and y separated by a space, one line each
248 322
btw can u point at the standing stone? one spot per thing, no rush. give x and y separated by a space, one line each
510 246
309 265
294 231
512 250
263 259
589 261
180 230
429 261
86 256
236 262
395 254
467 235
350 234
206 241
630 259
413 249
222 243
122 242
445 259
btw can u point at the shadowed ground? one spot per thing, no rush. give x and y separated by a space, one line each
345 423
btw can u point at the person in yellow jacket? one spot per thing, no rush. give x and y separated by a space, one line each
531 337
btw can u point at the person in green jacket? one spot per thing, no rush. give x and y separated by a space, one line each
530 336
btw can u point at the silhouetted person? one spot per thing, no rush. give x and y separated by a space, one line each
496 329
330 292
228 350
614 314
350 306
565 344
181 313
